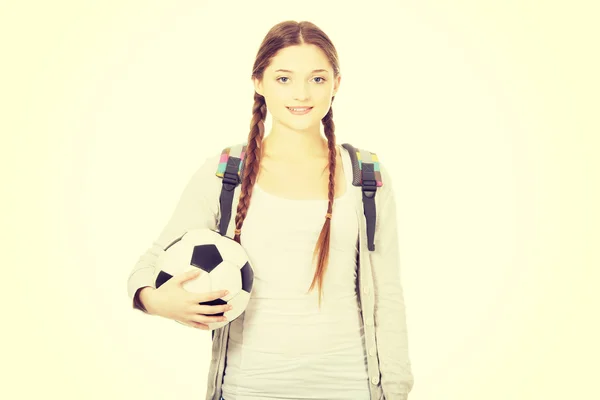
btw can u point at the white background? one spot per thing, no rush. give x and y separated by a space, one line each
484 112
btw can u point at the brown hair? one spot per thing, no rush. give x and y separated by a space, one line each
282 35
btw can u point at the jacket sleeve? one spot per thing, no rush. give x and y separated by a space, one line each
196 208
390 319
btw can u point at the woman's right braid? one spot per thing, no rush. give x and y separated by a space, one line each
251 161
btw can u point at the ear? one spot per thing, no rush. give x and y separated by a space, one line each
336 84
258 87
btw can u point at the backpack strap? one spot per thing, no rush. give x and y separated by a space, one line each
366 174
230 170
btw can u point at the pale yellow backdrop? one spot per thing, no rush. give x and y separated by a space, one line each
485 112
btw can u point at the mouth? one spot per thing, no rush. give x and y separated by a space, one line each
299 110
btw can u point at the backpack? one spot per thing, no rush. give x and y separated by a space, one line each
365 173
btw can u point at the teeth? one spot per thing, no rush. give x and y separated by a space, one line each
299 109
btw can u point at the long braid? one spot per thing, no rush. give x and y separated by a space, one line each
323 243
251 161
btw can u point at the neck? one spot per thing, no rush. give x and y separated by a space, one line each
284 143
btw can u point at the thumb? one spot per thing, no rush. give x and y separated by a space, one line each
187 275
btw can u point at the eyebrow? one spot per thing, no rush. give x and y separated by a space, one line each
291 72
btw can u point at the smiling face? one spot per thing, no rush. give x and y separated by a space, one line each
298 76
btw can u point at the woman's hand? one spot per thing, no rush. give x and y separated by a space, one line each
172 301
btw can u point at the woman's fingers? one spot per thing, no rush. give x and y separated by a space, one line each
206 319
208 309
207 296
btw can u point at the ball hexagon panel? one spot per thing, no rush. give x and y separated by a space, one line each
226 276
239 303
206 257
200 284
178 254
231 251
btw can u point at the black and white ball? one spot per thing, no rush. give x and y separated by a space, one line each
223 263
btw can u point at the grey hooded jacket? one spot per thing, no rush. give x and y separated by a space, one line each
381 298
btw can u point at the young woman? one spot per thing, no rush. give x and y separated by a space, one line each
296 204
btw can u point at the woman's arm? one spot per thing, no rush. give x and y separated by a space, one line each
390 319
197 208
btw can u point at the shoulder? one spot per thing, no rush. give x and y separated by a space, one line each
210 167
215 162
363 156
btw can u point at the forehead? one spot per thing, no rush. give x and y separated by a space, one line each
299 59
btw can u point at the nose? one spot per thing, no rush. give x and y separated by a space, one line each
301 91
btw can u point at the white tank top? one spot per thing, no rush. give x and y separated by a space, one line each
283 346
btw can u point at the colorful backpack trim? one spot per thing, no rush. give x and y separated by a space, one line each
367 175
238 151
359 156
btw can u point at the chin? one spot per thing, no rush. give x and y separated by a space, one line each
303 125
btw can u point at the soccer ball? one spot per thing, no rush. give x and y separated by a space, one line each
223 263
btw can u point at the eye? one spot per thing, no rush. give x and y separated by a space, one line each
322 80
